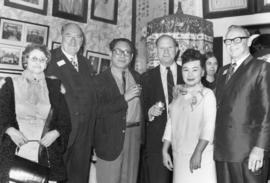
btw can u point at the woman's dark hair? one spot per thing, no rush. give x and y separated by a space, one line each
191 55
29 48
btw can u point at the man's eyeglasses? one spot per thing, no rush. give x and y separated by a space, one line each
69 37
41 60
235 40
120 52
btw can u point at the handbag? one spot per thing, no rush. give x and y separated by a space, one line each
25 171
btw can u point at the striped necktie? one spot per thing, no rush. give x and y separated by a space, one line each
74 63
230 71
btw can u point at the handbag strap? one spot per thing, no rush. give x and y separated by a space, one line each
37 141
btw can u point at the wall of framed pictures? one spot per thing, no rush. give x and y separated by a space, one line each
54 13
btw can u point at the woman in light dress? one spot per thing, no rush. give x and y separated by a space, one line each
25 104
190 127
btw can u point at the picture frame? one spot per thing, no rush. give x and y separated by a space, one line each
36 6
55 45
21 33
10 58
104 11
98 61
221 8
263 6
71 9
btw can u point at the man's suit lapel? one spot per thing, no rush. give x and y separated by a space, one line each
179 75
111 81
225 87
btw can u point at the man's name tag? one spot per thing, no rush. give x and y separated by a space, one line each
61 62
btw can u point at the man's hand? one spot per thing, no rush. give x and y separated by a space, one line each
255 161
132 92
167 160
154 111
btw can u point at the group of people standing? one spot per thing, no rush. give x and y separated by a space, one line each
187 120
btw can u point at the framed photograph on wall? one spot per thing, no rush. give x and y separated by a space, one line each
55 45
104 64
11 31
10 58
21 33
263 5
221 8
36 34
36 6
104 11
98 61
71 9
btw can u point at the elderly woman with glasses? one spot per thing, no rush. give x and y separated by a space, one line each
33 108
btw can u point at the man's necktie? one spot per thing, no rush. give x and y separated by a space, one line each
124 81
74 63
230 71
170 84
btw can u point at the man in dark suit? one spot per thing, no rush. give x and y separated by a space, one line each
117 131
71 68
157 87
242 134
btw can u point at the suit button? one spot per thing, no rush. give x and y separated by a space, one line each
76 113
124 118
123 131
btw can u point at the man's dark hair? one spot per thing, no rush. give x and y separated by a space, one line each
131 45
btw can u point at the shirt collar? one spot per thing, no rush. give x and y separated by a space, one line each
241 60
68 55
173 67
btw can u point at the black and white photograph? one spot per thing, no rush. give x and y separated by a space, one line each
104 64
71 9
55 45
94 62
36 34
35 6
11 31
10 57
104 10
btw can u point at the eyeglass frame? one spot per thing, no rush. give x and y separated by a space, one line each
125 53
234 40
40 60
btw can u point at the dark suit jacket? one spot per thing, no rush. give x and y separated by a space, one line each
153 92
60 121
243 111
111 118
81 100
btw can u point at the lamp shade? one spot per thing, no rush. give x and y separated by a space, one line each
189 31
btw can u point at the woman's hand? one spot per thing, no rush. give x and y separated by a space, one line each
167 160
195 161
49 138
16 136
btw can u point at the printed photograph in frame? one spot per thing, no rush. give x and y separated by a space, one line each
104 64
35 6
10 58
55 45
11 31
104 11
221 8
263 6
98 61
24 32
71 9
36 34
